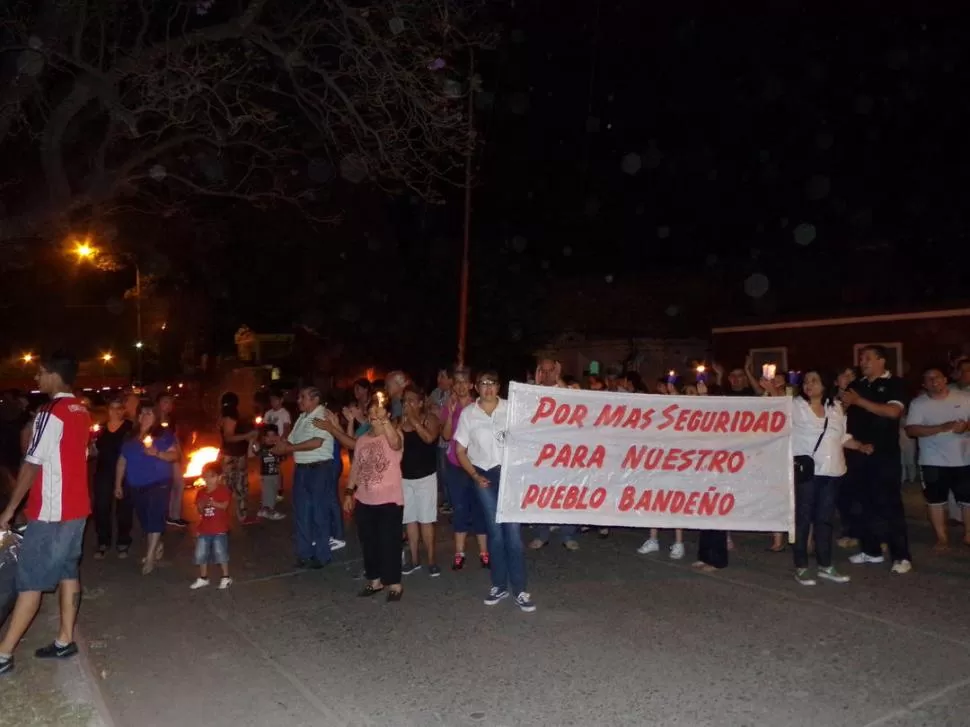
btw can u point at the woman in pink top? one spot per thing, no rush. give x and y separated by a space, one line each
375 482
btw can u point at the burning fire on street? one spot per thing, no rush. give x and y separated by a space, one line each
197 460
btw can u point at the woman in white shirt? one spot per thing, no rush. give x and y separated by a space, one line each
818 432
480 440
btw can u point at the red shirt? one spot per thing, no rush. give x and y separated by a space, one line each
215 520
59 446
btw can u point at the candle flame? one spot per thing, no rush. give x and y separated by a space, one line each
147 441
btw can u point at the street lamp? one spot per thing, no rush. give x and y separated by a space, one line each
105 360
86 251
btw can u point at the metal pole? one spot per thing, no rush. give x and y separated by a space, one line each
139 343
463 296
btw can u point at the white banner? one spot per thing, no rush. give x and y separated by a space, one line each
639 460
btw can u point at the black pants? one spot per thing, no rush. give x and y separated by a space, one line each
712 548
849 498
379 530
878 479
815 508
104 501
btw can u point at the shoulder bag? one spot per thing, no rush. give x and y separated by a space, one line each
805 463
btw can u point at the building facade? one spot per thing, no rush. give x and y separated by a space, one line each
914 340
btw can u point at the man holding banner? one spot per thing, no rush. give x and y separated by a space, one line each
549 373
634 460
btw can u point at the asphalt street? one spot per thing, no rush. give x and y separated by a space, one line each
618 639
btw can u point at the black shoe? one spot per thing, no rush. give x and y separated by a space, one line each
6 666
176 522
53 651
315 564
302 563
394 596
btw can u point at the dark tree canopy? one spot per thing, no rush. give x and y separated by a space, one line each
114 106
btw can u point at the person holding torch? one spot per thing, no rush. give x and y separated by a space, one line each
145 468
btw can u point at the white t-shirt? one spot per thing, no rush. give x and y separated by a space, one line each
946 449
483 435
281 418
304 430
806 428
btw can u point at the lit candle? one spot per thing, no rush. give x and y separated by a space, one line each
147 441
96 428
701 373
259 420
671 376
164 424
768 371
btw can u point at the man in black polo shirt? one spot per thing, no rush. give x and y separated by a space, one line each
876 402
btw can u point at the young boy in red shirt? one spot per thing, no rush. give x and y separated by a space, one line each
212 502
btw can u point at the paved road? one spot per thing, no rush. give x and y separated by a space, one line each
618 639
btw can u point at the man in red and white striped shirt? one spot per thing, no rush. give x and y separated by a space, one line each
55 473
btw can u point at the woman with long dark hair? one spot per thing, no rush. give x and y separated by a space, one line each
419 469
818 440
234 455
109 438
145 468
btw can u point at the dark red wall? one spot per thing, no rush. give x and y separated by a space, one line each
925 341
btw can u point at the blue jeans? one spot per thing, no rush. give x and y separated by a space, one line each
336 512
444 496
815 508
313 491
567 532
504 539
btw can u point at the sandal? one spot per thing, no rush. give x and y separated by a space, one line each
147 568
774 549
395 596
368 591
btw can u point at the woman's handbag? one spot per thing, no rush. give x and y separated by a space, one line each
805 463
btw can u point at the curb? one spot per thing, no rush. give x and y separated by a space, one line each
91 677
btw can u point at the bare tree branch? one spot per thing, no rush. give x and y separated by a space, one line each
156 103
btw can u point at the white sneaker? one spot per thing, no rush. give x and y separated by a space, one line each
199 583
337 544
225 583
263 512
274 515
902 567
676 551
649 546
862 558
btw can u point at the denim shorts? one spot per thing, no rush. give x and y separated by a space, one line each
212 549
50 553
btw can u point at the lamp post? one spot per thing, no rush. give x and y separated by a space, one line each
86 251
466 227
105 360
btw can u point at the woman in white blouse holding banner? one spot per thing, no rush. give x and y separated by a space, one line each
480 439
818 440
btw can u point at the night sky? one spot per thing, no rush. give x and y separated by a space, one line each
685 169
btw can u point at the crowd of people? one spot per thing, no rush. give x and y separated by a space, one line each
411 451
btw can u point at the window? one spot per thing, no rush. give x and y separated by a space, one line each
775 356
894 355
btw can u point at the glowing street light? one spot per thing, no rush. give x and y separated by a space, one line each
27 358
106 357
84 250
